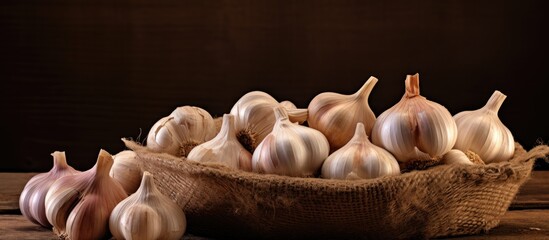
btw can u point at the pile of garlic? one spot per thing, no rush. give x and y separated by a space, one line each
264 136
337 137
95 205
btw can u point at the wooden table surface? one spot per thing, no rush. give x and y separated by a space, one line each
527 218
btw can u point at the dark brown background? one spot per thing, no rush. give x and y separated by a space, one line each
79 75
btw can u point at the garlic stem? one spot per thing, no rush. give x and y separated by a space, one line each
228 130
495 102
147 186
366 89
104 164
298 115
412 85
360 134
59 162
280 114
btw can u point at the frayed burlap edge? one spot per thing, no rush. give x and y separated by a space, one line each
445 200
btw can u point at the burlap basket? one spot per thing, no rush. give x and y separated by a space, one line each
442 201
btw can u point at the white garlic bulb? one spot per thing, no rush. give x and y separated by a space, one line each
482 132
127 170
33 196
336 115
182 130
254 117
290 149
359 159
78 206
147 215
415 128
224 148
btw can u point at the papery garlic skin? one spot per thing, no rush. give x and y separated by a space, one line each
78 205
127 170
183 129
224 148
359 159
254 117
147 215
415 127
290 149
336 115
482 132
33 196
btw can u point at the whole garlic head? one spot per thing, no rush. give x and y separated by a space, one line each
359 159
224 148
336 115
254 117
147 214
482 132
181 131
33 196
415 128
290 149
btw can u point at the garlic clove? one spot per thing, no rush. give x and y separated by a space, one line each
254 117
415 129
290 149
127 170
183 129
456 156
224 148
147 214
336 115
482 132
76 204
33 196
359 159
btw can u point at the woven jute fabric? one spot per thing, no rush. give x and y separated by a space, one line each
445 200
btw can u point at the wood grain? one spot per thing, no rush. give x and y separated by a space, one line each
11 186
535 193
524 224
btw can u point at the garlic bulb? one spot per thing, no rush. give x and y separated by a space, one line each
336 115
126 169
290 149
147 215
415 128
456 156
359 159
224 148
182 130
482 132
254 117
33 196
78 206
